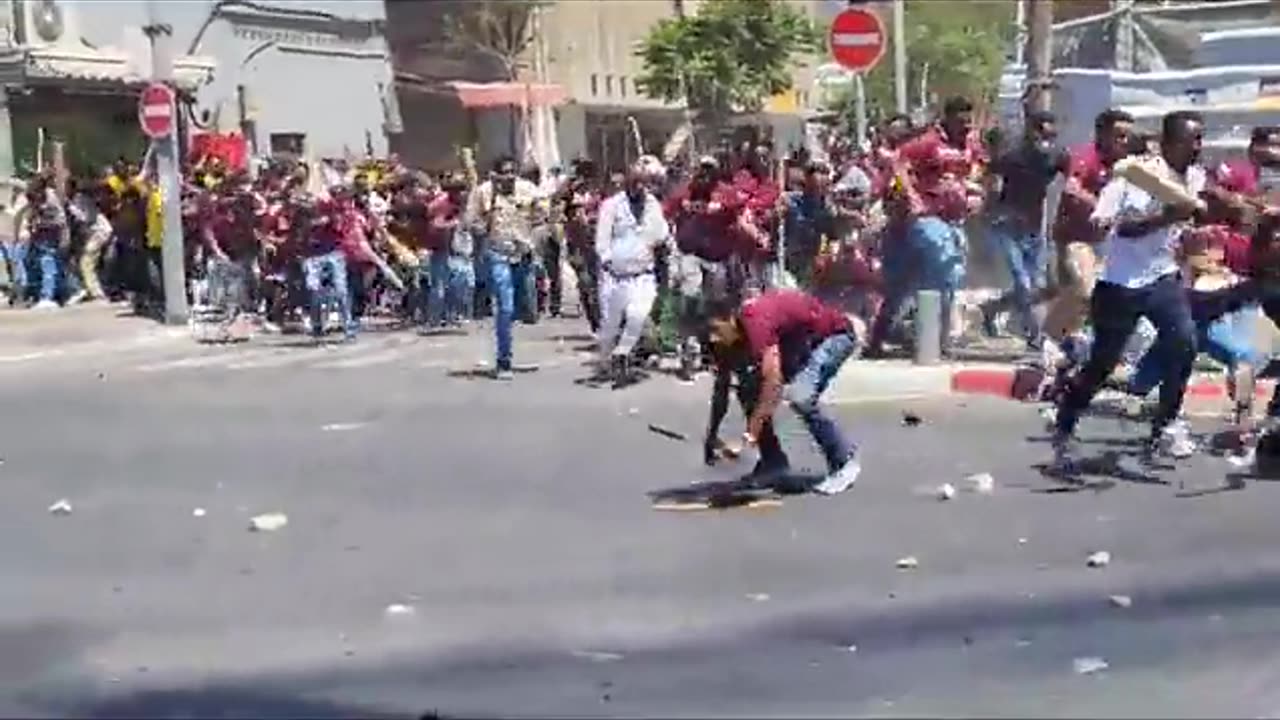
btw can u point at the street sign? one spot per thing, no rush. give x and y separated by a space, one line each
857 39
155 111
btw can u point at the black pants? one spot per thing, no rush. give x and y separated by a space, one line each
1114 311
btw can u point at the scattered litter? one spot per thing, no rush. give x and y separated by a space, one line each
1122 601
1100 559
143 668
398 609
348 653
268 522
340 427
908 563
1 461
102 376
633 411
113 679
198 512
1022 541
667 432
946 491
910 419
851 648
596 656
1089 665
981 483
758 597
1022 642
62 507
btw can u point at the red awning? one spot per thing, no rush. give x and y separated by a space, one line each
498 94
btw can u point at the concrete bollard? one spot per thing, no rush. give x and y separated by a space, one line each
928 327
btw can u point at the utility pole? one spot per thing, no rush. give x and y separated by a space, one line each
1125 35
900 54
1039 56
173 257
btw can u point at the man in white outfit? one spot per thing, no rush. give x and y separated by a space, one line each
631 227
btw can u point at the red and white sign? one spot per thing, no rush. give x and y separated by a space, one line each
857 39
155 111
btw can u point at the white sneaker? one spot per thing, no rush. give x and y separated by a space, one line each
45 305
842 479
1176 442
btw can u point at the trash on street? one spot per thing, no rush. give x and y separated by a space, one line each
268 522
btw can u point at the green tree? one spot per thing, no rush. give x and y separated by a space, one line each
730 57
961 46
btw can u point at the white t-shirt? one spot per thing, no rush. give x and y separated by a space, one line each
1135 262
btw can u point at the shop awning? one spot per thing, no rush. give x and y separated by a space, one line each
498 94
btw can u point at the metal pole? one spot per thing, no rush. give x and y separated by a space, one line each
900 54
1019 45
173 258
1040 56
860 109
1124 59
928 327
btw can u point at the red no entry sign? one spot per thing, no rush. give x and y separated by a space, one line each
857 39
155 110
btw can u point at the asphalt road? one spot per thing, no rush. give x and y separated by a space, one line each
512 522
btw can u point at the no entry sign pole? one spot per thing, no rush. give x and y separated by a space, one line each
173 256
857 41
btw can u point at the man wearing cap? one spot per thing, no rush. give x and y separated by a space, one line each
630 230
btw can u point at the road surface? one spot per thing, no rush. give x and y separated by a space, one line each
511 523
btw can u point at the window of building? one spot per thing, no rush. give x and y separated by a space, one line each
595 84
288 143
622 85
608 85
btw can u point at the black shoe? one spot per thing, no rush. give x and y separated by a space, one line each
620 371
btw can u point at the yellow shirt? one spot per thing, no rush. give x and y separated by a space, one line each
155 219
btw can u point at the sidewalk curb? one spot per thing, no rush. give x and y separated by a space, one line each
1000 382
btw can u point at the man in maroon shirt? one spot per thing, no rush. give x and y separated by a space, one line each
1077 237
797 344
938 174
757 217
704 211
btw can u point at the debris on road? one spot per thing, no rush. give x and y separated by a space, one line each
758 597
946 491
910 419
198 512
397 609
61 507
851 648
1100 559
1022 541
633 411
981 483
268 522
1089 665
667 432
596 656
908 563
1121 601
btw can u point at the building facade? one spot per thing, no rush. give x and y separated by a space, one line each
581 62
304 76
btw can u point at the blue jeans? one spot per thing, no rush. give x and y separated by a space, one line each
1024 255
313 269
450 285
807 387
462 287
44 259
1228 339
939 248
504 277
15 255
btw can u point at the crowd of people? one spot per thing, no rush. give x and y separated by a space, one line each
773 273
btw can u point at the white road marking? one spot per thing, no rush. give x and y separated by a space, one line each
375 358
341 427
25 357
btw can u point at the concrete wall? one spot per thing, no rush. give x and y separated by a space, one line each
300 75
